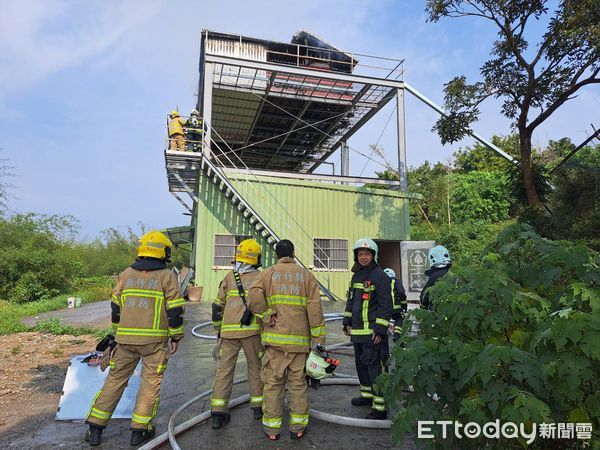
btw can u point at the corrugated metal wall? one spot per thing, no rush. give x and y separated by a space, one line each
299 211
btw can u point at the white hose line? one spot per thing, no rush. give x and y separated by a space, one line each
329 317
343 380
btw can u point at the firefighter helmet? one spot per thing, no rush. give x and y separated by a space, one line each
390 272
319 365
439 256
174 114
365 243
155 244
248 251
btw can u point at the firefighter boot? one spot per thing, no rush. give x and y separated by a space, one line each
219 419
361 401
138 437
257 412
94 435
376 415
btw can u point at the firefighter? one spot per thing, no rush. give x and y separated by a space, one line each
286 296
366 321
194 131
440 263
176 135
147 317
227 312
399 304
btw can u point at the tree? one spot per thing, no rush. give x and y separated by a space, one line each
479 157
532 82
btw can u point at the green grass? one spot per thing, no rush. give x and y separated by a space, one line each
11 313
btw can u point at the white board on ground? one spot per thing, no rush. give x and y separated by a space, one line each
82 382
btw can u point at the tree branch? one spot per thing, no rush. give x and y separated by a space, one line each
561 99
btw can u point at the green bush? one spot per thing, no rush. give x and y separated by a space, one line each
516 338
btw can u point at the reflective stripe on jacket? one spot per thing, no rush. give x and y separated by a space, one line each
147 307
369 304
292 293
228 307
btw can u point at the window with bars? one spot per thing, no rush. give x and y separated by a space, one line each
225 245
330 254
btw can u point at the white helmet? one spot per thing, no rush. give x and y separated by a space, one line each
390 272
319 365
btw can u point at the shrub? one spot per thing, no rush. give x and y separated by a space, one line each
516 338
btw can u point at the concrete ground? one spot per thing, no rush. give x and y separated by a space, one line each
189 373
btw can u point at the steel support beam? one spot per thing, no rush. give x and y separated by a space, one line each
187 189
207 94
184 204
345 159
401 123
283 68
440 110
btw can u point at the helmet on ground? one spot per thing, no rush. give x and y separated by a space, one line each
439 255
174 114
155 244
390 272
249 252
319 365
366 243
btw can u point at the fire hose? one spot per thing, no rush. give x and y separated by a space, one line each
338 379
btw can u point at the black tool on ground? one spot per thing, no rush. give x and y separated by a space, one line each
247 317
106 342
91 356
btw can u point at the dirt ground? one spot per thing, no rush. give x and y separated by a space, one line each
33 367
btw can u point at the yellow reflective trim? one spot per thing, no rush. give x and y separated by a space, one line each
359 332
178 330
156 318
262 315
347 313
292 300
232 293
161 368
382 322
365 314
272 423
256 400
94 401
362 286
219 402
143 293
175 303
237 327
141 332
115 300
317 331
141 419
285 339
378 407
95 412
299 419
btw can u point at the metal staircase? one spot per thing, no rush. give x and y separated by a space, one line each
183 173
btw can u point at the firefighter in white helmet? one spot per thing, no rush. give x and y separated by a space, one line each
228 311
366 320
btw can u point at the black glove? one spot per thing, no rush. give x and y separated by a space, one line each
369 356
313 383
106 342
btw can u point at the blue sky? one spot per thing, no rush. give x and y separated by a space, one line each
85 87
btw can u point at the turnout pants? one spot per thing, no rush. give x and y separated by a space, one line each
371 360
177 142
123 362
223 381
281 371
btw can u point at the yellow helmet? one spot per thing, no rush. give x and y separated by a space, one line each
248 251
155 244
174 114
